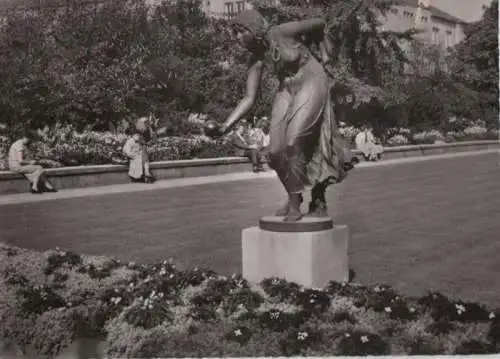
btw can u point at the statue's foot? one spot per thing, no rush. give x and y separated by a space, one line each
293 216
283 211
317 209
294 212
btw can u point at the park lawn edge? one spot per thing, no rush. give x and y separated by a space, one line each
49 299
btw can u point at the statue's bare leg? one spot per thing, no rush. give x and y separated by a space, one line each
277 135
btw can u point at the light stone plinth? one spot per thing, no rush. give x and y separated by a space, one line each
311 258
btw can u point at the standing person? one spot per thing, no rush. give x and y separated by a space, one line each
33 172
135 150
259 141
241 139
306 149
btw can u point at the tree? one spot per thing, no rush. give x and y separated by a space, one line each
476 63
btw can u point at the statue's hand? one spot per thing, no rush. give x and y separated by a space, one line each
213 129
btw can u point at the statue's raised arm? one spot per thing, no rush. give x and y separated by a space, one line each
302 28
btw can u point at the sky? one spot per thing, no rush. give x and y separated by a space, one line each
468 10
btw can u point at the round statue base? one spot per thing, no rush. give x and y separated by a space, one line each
305 224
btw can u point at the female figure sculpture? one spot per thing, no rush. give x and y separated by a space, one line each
305 150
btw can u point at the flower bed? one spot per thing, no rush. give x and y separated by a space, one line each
156 310
66 147
96 148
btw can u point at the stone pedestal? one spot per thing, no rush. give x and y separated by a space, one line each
310 252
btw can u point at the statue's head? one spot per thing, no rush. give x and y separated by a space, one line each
249 27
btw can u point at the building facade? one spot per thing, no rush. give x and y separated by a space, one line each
437 27
228 8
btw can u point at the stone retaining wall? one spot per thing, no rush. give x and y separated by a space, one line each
102 175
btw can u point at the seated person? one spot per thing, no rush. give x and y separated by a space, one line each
365 142
19 163
135 150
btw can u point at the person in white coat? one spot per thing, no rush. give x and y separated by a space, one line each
365 142
135 150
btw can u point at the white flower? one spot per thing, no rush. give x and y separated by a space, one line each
376 289
116 300
460 308
492 315
238 332
163 271
412 310
312 301
302 336
171 276
364 339
347 335
275 315
275 281
388 309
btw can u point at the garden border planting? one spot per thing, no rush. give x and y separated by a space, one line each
55 298
101 175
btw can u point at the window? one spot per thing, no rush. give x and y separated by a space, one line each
447 39
240 6
435 35
229 8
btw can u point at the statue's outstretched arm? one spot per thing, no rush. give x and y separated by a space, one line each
252 89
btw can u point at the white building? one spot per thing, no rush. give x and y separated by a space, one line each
438 27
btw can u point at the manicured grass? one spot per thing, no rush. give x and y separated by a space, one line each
429 225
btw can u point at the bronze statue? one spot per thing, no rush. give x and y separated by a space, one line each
306 150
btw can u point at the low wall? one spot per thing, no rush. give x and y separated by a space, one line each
102 175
